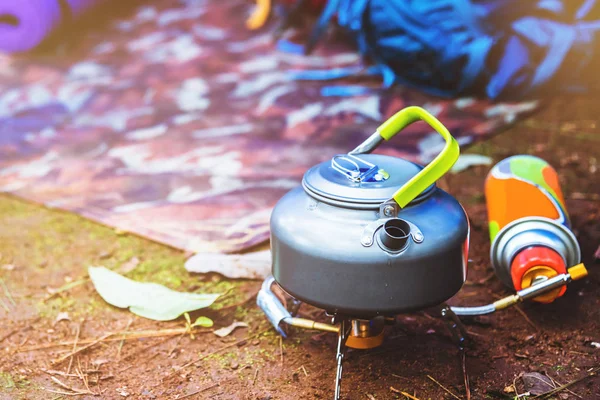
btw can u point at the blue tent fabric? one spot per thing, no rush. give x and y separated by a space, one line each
494 48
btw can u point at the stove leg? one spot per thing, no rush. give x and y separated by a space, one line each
341 350
460 335
455 326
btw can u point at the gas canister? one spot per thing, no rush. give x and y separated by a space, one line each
529 225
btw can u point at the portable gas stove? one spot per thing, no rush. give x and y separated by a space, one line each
367 237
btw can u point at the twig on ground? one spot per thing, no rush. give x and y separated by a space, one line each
463 358
9 334
591 372
304 370
255 376
65 393
3 304
82 376
7 293
74 346
408 396
24 341
62 373
176 345
281 350
54 372
72 389
97 383
214 385
113 336
65 288
443 387
530 322
557 383
123 340
470 332
570 351
72 353
28 326
143 350
220 349
514 385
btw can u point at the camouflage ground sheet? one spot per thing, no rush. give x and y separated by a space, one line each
175 122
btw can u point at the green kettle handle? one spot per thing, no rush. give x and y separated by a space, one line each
432 171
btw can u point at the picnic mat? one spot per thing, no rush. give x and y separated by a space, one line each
177 123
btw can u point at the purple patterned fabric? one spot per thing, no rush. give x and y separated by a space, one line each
178 124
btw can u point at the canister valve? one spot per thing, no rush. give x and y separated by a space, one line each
574 273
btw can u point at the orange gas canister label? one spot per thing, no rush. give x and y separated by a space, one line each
523 186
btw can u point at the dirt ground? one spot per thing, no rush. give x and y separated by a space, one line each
45 253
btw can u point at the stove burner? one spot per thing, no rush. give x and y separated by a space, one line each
366 334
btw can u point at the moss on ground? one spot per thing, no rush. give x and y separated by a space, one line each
9 382
51 249
62 245
60 241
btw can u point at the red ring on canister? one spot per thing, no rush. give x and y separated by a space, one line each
537 257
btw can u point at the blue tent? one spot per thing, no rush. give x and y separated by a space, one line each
493 48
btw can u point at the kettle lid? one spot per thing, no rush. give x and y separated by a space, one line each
367 179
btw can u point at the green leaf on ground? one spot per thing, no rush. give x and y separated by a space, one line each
148 300
203 322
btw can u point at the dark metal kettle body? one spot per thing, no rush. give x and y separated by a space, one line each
350 242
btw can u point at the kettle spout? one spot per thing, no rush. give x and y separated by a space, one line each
394 234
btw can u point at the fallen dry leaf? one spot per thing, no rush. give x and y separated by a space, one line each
62 316
105 254
129 266
536 383
407 395
509 389
254 265
226 331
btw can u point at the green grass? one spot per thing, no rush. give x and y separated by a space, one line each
9 382
54 244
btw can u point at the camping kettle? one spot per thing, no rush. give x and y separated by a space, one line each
370 235
367 237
